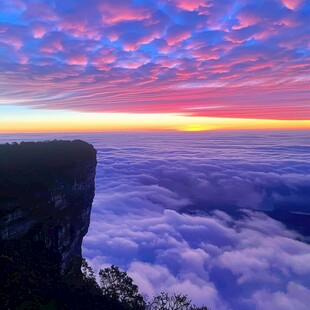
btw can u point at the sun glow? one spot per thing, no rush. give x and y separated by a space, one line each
196 127
20 119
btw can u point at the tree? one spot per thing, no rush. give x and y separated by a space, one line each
199 308
116 284
164 301
89 276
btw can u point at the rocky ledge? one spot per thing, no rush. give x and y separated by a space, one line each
46 194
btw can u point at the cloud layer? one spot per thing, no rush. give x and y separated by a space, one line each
222 58
225 262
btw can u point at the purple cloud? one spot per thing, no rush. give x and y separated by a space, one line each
201 52
220 258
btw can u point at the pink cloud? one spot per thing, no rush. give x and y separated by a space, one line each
289 21
177 34
246 19
169 53
122 11
52 46
164 48
132 46
104 60
292 4
169 62
15 42
190 5
133 62
205 54
74 27
38 31
78 59
23 58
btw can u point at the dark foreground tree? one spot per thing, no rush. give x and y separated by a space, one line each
117 285
89 276
164 301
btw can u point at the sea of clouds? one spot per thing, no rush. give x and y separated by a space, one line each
145 182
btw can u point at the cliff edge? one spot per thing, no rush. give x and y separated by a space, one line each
46 194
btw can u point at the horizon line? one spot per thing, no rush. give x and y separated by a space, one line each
152 131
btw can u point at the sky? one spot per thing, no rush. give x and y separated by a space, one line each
187 65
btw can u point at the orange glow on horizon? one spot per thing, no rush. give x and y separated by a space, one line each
67 121
193 128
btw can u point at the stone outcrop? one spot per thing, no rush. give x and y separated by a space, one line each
46 194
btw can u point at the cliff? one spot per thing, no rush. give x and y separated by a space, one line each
46 194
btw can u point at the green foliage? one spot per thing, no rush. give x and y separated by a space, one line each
116 284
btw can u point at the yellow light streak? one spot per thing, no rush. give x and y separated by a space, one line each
68 121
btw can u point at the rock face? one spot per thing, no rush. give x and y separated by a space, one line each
46 194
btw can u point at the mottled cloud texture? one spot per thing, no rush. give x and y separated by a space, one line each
207 58
250 262
145 180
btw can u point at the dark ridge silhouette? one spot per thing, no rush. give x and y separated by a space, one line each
46 194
